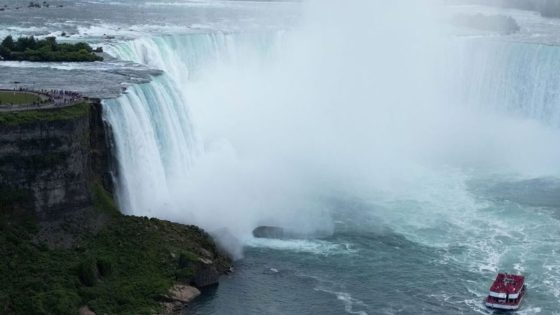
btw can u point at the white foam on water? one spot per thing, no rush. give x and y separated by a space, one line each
519 268
529 310
316 247
346 298
477 306
192 3
271 136
91 66
125 31
17 31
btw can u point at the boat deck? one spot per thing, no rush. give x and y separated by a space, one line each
507 284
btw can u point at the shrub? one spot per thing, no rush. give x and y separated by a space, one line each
56 301
31 49
186 259
184 275
87 271
104 266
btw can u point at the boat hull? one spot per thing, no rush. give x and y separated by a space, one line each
505 306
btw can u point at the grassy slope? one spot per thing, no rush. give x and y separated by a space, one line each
32 116
18 98
123 269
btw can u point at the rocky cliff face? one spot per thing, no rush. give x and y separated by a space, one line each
49 159
59 224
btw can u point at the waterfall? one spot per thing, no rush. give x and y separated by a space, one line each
156 141
155 144
218 141
516 78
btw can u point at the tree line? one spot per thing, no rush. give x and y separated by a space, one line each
47 49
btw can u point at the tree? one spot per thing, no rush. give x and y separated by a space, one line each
24 43
8 43
5 53
47 49
49 42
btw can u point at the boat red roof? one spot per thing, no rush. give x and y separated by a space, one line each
508 284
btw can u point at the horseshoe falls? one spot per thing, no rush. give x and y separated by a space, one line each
414 166
517 78
161 143
167 140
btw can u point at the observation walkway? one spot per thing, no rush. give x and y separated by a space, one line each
24 99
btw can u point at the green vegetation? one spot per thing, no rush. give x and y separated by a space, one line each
48 49
32 116
123 268
103 201
17 97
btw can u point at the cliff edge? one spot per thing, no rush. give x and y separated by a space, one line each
50 159
64 246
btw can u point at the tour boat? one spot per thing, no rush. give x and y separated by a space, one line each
506 292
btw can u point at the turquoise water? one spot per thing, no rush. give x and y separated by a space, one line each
422 230
367 267
418 204
428 242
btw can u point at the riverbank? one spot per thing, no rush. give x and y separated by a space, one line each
105 261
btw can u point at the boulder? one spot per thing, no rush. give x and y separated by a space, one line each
84 310
170 308
177 298
183 293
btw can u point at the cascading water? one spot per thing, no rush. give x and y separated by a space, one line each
374 137
155 145
516 78
156 141
251 85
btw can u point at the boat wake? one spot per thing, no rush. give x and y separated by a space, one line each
350 303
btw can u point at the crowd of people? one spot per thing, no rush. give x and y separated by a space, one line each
61 97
